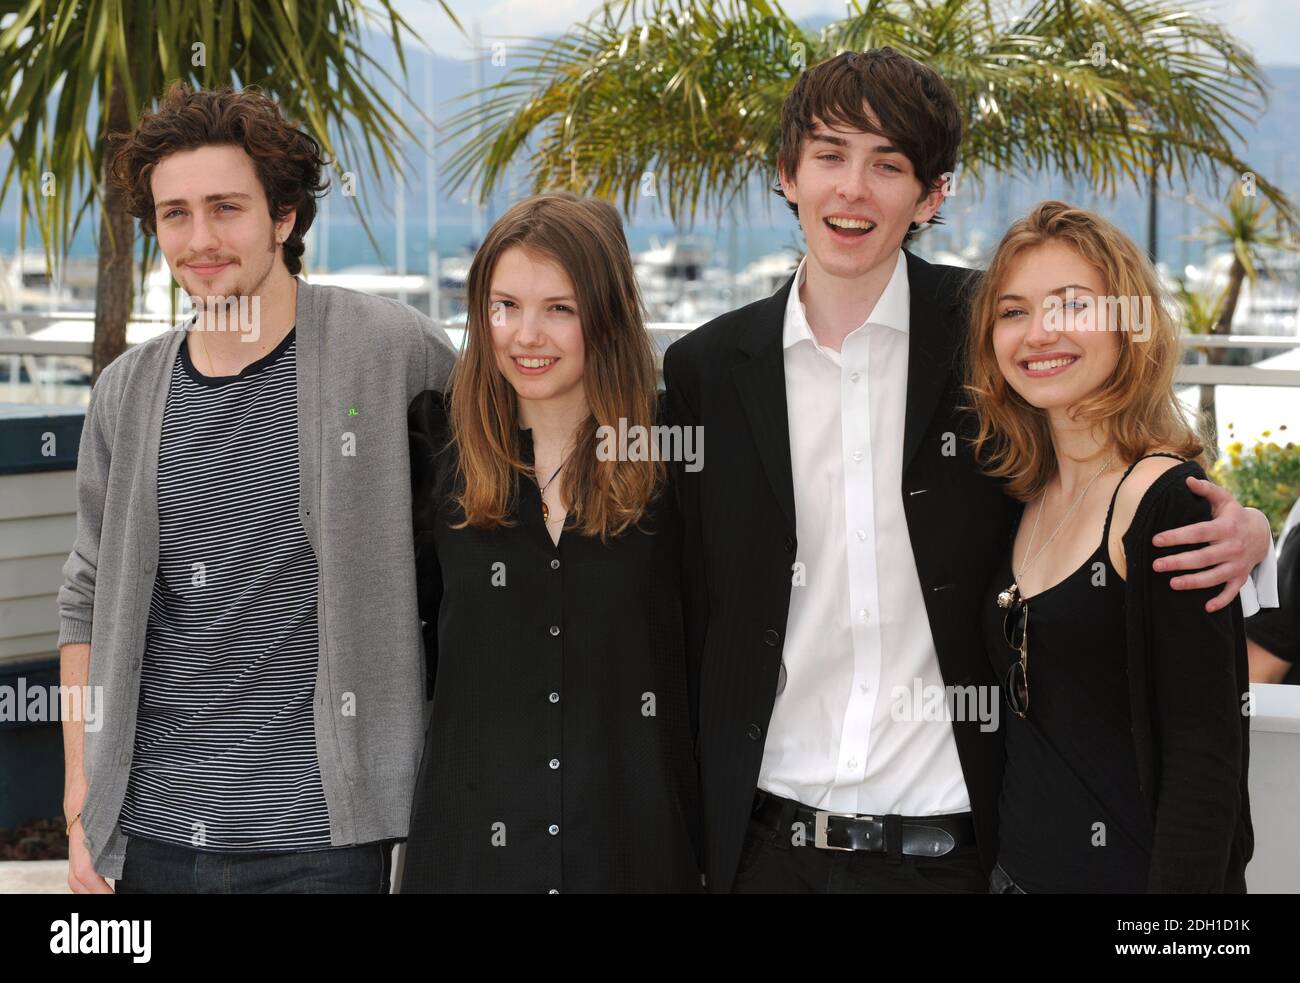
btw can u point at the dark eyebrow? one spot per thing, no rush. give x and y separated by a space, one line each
507 296
207 199
820 137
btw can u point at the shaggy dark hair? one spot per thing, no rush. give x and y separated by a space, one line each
912 104
288 160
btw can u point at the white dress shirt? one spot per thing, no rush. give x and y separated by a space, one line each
857 626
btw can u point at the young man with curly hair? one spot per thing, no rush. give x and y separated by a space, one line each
240 586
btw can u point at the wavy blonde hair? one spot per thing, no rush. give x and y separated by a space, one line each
1135 408
584 237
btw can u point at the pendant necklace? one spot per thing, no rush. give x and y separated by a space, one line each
541 489
1007 597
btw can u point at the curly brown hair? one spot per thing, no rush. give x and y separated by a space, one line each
287 159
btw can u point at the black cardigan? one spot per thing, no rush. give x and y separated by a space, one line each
1188 682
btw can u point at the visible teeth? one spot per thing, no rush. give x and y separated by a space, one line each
534 363
1049 364
851 223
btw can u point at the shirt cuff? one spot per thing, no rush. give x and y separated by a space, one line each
1262 585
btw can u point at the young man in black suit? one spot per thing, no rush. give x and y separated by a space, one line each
841 536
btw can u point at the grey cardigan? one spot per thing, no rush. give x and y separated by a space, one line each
360 361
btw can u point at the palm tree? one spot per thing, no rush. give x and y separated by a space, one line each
1200 312
120 56
689 91
1249 226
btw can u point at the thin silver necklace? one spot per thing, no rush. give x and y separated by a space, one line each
1008 597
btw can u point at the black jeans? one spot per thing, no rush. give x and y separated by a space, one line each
771 864
161 868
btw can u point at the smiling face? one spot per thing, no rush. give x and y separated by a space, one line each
536 327
214 224
1052 339
857 195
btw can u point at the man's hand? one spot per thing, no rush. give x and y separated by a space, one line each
1236 540
82 878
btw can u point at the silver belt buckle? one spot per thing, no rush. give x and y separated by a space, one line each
819 829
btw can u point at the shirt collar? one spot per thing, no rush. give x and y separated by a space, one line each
892 310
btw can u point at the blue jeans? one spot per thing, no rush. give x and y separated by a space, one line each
1000 882
162 868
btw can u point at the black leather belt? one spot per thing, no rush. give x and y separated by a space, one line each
920 836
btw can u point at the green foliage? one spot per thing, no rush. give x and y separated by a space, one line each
690 91
1266 477
57 59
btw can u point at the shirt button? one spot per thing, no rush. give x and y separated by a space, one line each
555 763
553 829
555 630
854 377
862 614
554 697
861 534
857 455
552 891
555 564
853 762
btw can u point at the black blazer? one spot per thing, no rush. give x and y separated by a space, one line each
729 377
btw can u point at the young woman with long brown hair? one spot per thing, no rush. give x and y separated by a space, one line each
559 754
1126 747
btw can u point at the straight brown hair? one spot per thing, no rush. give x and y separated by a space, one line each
584 237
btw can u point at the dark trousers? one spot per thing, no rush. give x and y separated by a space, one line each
1000 882
161 868
771 864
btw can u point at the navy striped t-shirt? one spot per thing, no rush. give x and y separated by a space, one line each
225 747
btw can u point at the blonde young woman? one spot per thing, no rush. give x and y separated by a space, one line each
559 754
1126 747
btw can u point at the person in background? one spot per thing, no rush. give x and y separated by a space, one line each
1272 639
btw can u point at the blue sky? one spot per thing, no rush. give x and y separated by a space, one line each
1268 27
